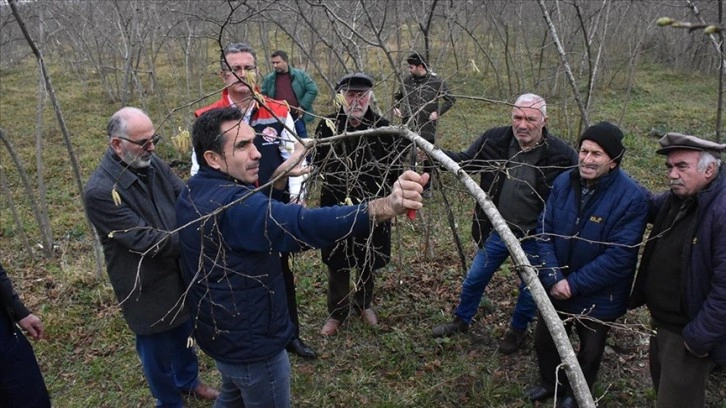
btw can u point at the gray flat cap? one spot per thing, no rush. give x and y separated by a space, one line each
673 141
357 81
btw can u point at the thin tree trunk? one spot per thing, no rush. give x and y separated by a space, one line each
719 46
23 177
525 269
563 58
46 234
64 131
13 209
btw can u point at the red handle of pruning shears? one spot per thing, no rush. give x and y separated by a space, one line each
411 214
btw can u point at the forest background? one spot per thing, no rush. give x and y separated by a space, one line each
615 64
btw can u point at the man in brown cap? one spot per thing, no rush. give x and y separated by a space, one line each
355 170
682 275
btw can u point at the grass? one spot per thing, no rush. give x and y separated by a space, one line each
89 358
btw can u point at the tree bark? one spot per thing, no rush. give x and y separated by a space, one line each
64 131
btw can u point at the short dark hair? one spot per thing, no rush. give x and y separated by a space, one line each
416 59
207 133
234 48
281 54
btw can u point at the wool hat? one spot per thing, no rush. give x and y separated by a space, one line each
673 141
607 136
357 81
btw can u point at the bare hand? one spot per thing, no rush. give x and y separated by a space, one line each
406 195
33 326
397 112
434 116
561 290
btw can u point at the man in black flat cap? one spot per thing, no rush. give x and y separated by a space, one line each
355 170
682 274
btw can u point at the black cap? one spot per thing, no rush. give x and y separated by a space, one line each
357 81
607 136
416 59
673 141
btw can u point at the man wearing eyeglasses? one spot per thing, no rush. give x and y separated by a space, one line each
130 200
354 170
272 122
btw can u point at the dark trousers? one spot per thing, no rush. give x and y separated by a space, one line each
592 335
339 292
290 290
678 376
21 383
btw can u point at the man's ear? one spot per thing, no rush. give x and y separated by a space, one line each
214 160
710 170
115 144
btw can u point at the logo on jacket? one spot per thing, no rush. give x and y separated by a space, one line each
269 134
596 219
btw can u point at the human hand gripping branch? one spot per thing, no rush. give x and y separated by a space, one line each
406 195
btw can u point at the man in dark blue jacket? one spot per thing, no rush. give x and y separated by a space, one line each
682 274
589 234
518 164
232 237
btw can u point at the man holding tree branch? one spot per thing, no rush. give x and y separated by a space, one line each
518 164
232 237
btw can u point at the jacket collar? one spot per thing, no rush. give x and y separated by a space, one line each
120 171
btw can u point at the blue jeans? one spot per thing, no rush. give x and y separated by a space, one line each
486 261
170 367
262 384
300 128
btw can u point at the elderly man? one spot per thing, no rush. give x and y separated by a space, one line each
682 274
423 99
237 288
355 169
271 123
589 235
130 200
518 164
293 86
21 383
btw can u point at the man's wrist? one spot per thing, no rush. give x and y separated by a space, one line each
380 209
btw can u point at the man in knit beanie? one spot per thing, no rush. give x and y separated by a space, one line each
589 234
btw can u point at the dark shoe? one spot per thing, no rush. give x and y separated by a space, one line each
512 341
296 346
538 393
567 402
204 392
456 326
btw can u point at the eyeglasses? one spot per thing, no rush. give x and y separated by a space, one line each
237 69
143 142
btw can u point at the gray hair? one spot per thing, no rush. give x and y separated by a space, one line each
530 100
234 48
706 158
118 125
